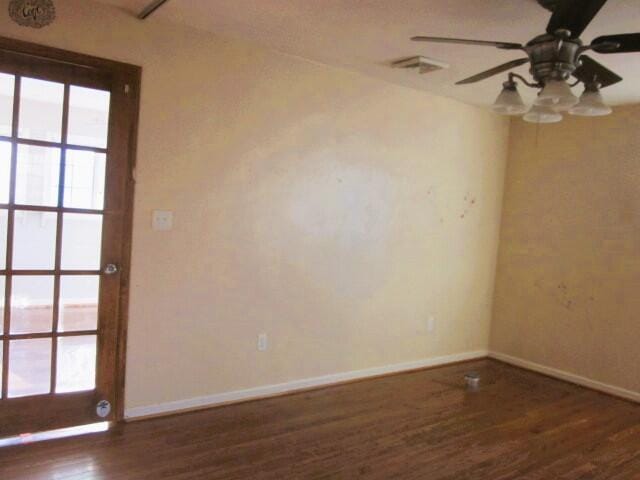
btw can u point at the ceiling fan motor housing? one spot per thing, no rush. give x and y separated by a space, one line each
553 57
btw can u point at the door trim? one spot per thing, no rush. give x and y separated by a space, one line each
129 76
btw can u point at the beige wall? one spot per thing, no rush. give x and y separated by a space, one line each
332 211
568 282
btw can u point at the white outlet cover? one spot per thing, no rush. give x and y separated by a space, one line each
162 220
263 342
431 324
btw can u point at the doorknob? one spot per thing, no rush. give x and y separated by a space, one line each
110 269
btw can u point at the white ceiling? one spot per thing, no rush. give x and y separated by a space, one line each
367 35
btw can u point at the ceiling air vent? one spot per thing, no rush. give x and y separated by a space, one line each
421 64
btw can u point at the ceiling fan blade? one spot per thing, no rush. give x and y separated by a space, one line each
494 71
629 42
591 70
574 15
464 41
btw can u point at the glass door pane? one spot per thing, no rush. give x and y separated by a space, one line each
78 303
88 117
76 364
29 367
3 283
4 218
84 179
81 241
37 176
32 304
7 83
5 171
34 240
41 110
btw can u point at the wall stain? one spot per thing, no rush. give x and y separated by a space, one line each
469 202
566 298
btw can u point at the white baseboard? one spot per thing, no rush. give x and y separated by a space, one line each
280 388
567 376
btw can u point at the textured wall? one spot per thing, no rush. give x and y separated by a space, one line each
569 264
330 210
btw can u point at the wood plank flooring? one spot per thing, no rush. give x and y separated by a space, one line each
419 425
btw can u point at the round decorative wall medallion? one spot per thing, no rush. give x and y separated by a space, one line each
32 13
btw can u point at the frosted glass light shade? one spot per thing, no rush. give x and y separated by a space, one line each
539 114
509 102
591 105
557 95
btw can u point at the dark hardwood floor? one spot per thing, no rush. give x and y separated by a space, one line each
420 425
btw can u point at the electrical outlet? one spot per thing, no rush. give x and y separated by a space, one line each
263 342
162 220
431 324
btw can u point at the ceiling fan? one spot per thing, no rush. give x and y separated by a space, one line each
555 56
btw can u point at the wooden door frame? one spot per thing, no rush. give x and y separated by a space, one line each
129 76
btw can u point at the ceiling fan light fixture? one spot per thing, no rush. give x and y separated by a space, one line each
591 104
554 58
509 102
542 114
557 95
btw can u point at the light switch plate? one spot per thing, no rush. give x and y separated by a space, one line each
162 220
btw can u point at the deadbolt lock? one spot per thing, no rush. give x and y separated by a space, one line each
103 409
